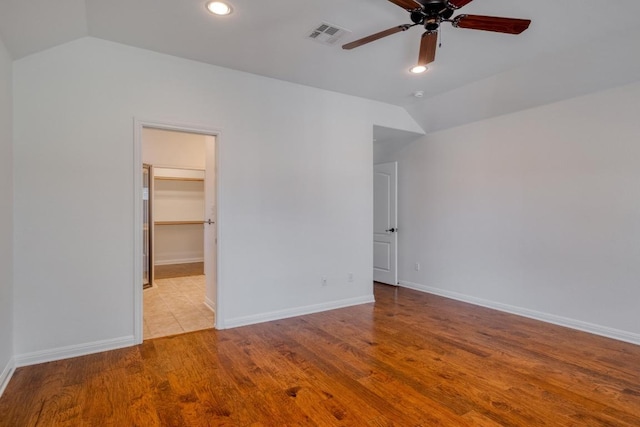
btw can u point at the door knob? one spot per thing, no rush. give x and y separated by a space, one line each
392 230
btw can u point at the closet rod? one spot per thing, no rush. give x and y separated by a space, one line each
178 222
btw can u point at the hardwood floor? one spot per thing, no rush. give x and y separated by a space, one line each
171 271
411 359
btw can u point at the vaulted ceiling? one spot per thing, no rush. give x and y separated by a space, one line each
572 47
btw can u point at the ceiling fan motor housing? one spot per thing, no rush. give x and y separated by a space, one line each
434 7
432 13
432 24
417 16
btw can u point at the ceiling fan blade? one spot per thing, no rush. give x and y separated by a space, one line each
376 36
428 47
408 4
457 4
491 23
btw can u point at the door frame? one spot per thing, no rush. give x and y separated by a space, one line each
139 124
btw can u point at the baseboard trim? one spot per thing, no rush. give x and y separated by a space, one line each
179 261
73 351
298 311
209 304
6 375
591 328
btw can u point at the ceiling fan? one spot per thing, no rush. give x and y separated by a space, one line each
431 13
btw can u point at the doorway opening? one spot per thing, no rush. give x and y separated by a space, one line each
388 144
385 212
177 291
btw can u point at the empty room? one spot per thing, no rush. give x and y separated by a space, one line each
399 212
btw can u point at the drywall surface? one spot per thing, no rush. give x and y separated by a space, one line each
164 148
601 64
387 142
537 210
294 179
178 244
6 215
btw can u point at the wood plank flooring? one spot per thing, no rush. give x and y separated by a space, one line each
170 271
411 359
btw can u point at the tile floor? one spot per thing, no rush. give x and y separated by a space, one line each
175 306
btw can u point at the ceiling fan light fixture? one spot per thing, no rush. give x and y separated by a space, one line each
432 13
219 8
418 69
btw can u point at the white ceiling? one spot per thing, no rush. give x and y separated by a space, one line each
268 38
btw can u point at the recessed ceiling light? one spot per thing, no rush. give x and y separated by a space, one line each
219 8
418 69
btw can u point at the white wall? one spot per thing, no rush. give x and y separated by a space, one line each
178 244
536 212
6 217
295 195
387 142
173 149
595 65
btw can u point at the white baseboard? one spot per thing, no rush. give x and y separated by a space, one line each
178 261
591 328
6 375
298 311
73 351
210 304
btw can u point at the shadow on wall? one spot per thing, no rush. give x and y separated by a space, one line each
387 142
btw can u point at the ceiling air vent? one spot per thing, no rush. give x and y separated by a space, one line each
327 34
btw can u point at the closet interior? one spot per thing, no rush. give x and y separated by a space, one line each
174 281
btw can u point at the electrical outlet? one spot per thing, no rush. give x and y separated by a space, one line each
417 266
323 281
351 277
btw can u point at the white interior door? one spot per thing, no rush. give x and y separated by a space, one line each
385 211
211 225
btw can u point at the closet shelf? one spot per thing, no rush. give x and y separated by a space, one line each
178 222
178 178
